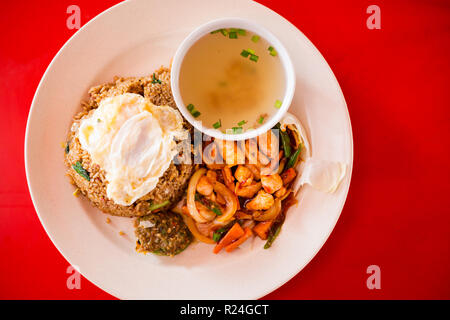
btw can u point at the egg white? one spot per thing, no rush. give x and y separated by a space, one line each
133 141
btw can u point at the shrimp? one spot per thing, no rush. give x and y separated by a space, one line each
247 191
272 183
228 177
243 175
255 171
212 176
204 186
281 192
262 201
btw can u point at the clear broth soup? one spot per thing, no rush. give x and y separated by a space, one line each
232 80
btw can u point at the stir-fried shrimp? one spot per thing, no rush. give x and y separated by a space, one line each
233 201
248 191
262 201
212 176
204 186
281 192
228 177
255 171
272 183
243 175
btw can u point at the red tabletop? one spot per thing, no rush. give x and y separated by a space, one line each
396 83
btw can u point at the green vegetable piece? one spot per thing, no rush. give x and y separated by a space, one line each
272 238
278 104
251 51
216 31
286 142
232 35
273 53
237 130
241 123
216 211
242 32
218 234
224 32
196 113
261 120
254 58
293 159
245 53
154 80
190 107
81 171
158 205
255 38
270 48
217 125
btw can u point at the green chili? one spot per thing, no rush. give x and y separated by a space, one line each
272 237
285 141
293 159
81 171
158 205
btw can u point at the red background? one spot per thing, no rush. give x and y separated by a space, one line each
396 83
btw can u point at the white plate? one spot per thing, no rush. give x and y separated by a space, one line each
134 38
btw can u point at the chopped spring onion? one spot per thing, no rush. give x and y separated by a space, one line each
278 104
216 31
255 38
251 51
232 35
241 123
154 80
254 58
241 32
224 32
261 120
272 51
81 171
158 205
245 53
237 130
217 125
191 108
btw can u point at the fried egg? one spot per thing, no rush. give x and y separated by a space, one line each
133 141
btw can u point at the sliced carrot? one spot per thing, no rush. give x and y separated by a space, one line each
248 233
288 176
233 234
262 229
